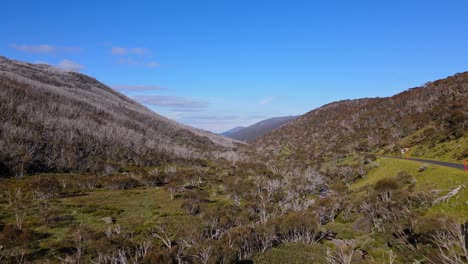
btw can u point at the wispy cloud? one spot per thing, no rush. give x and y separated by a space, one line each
134 56
70 49
137 88
152 64
69 65
139 51
178 103
216 123
243 119
136 62
213 117
116 50
34 48
44 48
266 100
128 61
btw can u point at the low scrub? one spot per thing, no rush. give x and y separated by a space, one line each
119 182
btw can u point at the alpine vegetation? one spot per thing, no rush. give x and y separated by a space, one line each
63 121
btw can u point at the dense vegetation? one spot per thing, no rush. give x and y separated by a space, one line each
429 116
64 121
130 186
398 212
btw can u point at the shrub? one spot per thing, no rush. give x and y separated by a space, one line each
423 168
193 200
404 178
153 178
86 182
385 188
44 187
429 133
386 185
119 182
368 158
464 154
293 253
12 236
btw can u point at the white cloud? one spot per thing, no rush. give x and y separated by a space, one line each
179 103
217 123
134 62
128 61
44 49
266 100
213 118
116 50
139 51
69 65
152 64
70 49
34 48
137 88
119 51
134 56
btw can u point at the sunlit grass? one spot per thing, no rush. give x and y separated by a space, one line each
434 178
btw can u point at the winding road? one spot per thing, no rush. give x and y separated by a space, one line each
436 162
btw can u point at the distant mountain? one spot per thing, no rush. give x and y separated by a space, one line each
259 129
422 117
232 131
55 120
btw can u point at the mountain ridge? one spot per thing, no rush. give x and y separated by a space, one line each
57 120
258 129
231 131
437 110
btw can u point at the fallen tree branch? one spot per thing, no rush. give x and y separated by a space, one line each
448 195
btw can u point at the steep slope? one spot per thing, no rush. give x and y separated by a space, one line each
54 120
232 131
259 129
429 116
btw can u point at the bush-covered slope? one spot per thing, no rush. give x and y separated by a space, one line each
259 129
231 131
53 120
429 115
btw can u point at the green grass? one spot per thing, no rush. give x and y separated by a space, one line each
130 208
445 151
449 150
293 253
434 178
135 210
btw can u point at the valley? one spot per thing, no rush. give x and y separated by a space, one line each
90 176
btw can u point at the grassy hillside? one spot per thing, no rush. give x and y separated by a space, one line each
423 117
401 229
438 147
427 178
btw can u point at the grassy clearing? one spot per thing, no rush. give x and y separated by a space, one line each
130 208
135 211
434 178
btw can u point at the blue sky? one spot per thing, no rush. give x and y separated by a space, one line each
219 64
